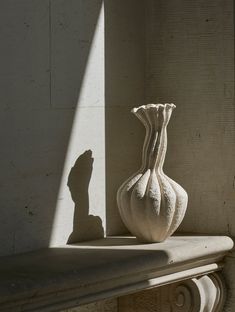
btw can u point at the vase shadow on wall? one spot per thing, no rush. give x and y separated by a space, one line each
85 226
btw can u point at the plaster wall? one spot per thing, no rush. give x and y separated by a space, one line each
124 89
190 62
55 117
52 112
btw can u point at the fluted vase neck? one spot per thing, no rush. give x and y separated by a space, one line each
155 118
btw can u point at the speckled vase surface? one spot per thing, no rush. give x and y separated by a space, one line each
152 205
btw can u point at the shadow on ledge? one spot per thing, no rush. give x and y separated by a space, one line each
85 226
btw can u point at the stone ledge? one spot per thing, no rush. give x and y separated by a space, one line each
58 278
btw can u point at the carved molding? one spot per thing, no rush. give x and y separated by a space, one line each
205 293
202 294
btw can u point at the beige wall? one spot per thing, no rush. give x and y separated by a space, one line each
190 62
78 84
124 89
63 143
52 111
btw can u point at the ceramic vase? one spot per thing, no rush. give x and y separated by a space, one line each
152 205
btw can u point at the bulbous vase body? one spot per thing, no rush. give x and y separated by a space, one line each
152 205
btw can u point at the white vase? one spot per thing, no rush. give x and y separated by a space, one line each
152 205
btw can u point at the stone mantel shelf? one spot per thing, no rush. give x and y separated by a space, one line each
58 278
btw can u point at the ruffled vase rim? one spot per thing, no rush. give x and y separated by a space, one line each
155 106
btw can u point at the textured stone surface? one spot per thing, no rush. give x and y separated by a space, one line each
52 112
124 89
109 305
190 48
73 275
